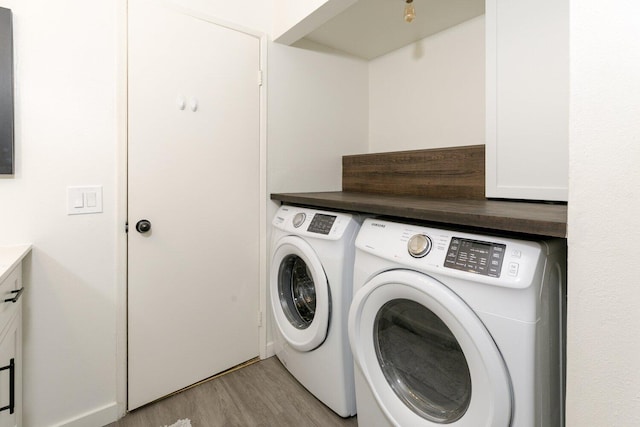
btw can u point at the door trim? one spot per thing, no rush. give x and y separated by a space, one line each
121 197
121 187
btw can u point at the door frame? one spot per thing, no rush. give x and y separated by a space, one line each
121 195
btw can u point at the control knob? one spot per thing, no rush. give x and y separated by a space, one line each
419 245
298 220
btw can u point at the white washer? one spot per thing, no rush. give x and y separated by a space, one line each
311 286
454 328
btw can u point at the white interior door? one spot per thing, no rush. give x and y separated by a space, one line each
194 162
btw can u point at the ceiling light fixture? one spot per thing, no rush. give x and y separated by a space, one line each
409 11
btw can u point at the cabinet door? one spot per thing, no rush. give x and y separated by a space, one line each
527 45
10 350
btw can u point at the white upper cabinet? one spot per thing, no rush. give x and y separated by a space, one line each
527 99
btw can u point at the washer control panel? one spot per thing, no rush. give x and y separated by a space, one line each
321 223
312 223
475 256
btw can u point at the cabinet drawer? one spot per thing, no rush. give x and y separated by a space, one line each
12 283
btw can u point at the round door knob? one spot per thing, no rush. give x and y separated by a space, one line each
419 245
143 226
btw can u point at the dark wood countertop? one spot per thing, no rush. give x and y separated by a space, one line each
543 219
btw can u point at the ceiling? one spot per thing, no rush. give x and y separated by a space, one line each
371 28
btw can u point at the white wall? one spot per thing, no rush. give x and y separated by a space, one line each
430 94
604 207
251 14
66 134
287 13
317 113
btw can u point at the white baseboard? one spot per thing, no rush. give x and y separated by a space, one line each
98 417
270 351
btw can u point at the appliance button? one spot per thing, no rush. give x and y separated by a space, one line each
513 269
516 253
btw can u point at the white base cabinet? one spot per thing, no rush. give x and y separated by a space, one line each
11 289
11 373
527 99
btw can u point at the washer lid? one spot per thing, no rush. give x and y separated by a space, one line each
401 325
300 296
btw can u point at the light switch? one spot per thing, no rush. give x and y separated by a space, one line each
91 199
84 200
78 201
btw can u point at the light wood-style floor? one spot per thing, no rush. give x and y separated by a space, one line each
261 394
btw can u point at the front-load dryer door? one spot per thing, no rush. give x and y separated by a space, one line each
426 356
300 296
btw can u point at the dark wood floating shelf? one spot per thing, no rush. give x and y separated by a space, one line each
543 219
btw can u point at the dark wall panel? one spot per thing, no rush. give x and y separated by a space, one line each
6 92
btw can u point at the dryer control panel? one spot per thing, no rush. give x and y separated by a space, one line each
476 256
482 258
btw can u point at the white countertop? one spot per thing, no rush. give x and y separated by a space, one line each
10 256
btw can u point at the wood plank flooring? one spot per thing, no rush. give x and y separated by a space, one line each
262 394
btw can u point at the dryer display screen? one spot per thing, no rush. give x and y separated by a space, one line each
475 256
321 223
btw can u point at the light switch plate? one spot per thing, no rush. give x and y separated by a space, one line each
84 200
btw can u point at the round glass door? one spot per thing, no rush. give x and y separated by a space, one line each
422 361
299 292
425 355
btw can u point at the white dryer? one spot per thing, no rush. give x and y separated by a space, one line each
459 329
310 287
